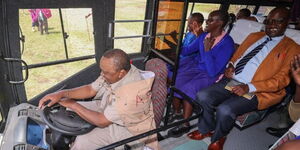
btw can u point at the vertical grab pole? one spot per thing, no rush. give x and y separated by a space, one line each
178 50
64 34
154 22
192 9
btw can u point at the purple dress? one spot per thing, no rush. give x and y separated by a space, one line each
188 39
201 71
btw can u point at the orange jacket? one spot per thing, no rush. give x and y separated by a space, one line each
272 75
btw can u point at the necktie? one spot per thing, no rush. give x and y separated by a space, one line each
241 64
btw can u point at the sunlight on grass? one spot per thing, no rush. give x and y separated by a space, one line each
50 47
40 79
42 48
129 10
205 9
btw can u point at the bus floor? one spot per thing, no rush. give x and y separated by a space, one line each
252 138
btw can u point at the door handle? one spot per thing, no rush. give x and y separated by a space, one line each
25 67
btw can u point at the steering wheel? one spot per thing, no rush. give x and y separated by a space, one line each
65 121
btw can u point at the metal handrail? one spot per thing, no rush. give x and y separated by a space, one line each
149 21
163 56
134 138
178 51
146 20
25 68
58 62
64 34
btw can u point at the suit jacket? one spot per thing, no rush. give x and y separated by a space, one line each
272 75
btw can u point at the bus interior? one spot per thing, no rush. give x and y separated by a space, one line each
80 31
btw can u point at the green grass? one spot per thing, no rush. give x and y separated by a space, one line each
129 10
205 8
43 78
44 48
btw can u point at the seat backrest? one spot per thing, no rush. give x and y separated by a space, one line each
293 34
242 28
259 18
159 87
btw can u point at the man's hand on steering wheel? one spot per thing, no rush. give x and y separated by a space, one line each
68 103
53 98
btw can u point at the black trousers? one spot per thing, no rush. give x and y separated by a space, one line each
220 109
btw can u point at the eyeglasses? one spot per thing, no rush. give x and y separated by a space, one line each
274 21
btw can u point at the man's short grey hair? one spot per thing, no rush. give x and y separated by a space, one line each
121 59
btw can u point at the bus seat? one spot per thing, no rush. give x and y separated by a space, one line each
293 34
159 87
259 18
242 28
253 117
250 118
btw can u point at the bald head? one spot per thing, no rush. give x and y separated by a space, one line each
282 11
120 59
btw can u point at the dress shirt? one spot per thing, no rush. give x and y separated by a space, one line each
250 68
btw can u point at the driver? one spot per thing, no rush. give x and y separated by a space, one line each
121 107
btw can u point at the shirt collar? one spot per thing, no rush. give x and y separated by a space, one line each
125 79
218 38
277 38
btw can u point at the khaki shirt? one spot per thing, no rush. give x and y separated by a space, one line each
106 102
107 107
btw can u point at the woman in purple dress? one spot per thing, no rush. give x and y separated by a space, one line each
214 48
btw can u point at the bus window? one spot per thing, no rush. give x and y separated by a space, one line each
235 8
203 8
169 16
41 79
264 10
129 45
168 25
40 47
129 10
51 45
78 24
132 45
